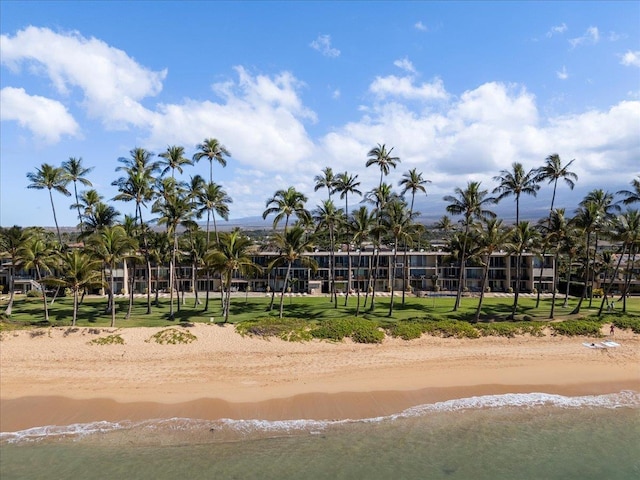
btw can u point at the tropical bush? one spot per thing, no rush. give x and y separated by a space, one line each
572 328
409 330
288 328
626 322
108 340
173 336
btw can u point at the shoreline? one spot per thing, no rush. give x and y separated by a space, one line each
59 378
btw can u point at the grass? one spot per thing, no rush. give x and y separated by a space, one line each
317 311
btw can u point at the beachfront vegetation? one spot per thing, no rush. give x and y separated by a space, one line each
86 261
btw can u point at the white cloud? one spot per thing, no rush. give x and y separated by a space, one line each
323 45
404 87
558 29
590 37
631 58
420 26
46 118
405 64
261 121
562 74
112 83
335 94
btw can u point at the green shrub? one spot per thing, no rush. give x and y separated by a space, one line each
627 322
173 336
108 340
510 329
451 328
597 293
366 331
408 330
359 330
333 329
33 293
572 328
289 329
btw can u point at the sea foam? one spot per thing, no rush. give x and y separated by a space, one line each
231 429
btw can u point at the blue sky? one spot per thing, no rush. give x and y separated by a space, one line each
459 89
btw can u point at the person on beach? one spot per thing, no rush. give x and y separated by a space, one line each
612 330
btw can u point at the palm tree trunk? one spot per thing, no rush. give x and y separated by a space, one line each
555 282
476 317
627 283
44 293
462 268
586 279
592 280
284 288
607 290
393 275
171 274
75 190
55 218
113 298
11 293
566 292
517 289
132 278
75 307
358 277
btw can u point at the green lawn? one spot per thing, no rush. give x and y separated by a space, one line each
28 311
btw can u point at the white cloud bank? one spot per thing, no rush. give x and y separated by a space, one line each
323 45
47 119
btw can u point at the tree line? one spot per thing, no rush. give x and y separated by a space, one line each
385 217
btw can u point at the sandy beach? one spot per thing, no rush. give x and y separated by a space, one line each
60 378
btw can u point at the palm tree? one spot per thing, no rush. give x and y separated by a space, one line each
587 219
130 226
412 181
361 225
292 244
396 221
523 237
491 236
327 216
631 196
212 198
211 149
12 240
232 255
380 156
74 171
36 253
552 171
137 186
174 159
175 210
626 229
380 196
285 203
347 184
445 225
327 180
111 245
556 233
516 183
86 203
51 178
471 203
76 271
606 213
101 216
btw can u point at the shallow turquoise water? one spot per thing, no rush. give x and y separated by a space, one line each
531 436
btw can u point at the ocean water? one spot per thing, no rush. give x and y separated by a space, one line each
513 436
